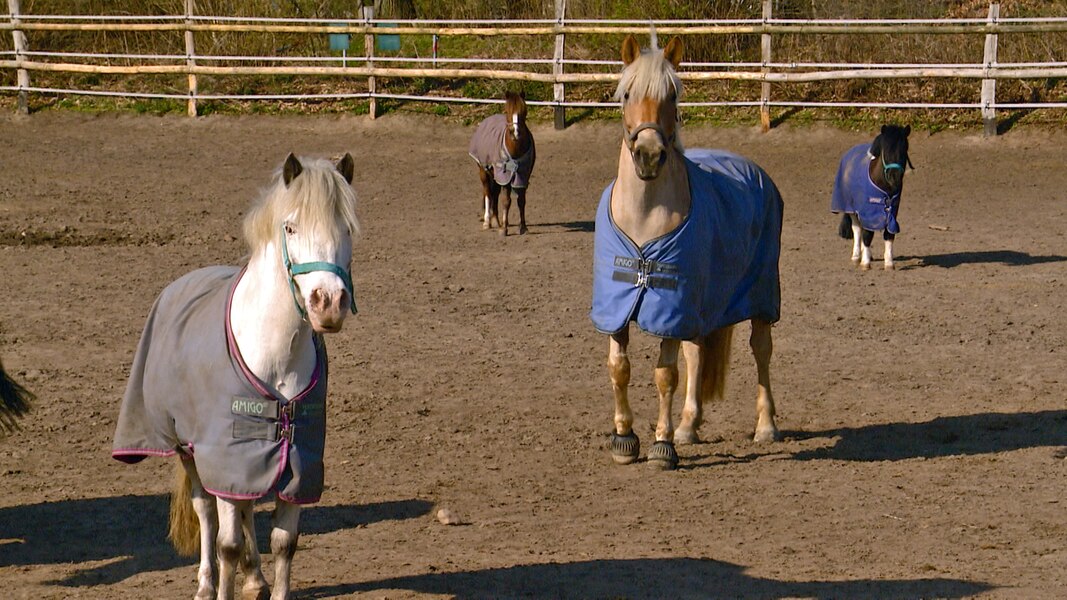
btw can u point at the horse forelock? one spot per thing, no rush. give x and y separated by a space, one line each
651 75
319 197
514 105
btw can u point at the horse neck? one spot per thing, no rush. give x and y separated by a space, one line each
275 342
645 210
878 177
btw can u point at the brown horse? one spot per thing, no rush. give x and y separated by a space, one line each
504 149
686 245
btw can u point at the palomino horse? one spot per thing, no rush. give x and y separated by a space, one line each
867 192
504 149
686 245
230 376
14 402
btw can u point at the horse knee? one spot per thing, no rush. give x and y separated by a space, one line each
283 543
229 550
667 379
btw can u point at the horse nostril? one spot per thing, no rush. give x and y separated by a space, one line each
319 299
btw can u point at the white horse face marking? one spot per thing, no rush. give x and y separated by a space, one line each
322 293
515 125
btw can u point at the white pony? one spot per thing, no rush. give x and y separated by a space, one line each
230 375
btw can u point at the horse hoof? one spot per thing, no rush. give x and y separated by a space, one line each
485 225
663 456
503 232
686 436
625 448
890 267
764 436
522 230
855 260
865 266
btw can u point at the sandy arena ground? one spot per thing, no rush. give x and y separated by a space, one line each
923 409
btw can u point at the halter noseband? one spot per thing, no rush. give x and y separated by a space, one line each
292 270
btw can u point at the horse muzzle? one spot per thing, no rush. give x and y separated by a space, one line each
327 310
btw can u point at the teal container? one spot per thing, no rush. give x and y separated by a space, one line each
388 41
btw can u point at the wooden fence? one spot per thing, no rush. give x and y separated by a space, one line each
24 60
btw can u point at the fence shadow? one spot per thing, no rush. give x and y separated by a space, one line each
131 532
1009 258
637 579
984 433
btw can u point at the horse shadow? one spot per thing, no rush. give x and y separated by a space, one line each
679 578
130 533
1009 258
983 433
571 226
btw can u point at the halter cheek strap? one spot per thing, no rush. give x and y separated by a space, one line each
293 270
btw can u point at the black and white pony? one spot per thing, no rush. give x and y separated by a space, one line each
867 192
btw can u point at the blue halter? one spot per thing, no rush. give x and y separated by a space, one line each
292 270
886 168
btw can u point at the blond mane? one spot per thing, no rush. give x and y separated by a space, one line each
320 198
649 76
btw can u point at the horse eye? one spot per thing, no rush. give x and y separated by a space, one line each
626 96
289 229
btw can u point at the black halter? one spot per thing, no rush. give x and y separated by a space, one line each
631 138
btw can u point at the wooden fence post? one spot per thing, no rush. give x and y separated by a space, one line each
557 67
765 56
368 44
989 86
23 75
190 55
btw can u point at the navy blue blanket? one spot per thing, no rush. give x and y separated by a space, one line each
854 193
719 267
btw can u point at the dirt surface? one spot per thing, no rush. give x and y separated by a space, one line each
923 409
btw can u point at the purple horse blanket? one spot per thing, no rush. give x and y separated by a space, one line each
488 150
719 267
854 193
190 392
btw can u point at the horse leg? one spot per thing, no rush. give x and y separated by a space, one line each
856 237
888 237
283 544
505 209
255 586
204 507
485 176
494 199
865 258
692 410
762 346
625 446
521 193
662 453
230 543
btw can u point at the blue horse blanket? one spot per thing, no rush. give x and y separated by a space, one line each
854 193
488 150
717 268
190 392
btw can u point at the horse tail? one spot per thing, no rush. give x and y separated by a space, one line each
845 228
184 531
14 402
716 363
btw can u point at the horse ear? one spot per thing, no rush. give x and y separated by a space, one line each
673 51
522 94
885 128
291 169
630 50
907 130
347 167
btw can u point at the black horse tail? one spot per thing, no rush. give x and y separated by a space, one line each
14 402
845 228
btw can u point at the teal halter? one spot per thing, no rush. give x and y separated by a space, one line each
292 270
886 168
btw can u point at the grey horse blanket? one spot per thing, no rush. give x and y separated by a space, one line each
488 150
190 392
856 194
719 267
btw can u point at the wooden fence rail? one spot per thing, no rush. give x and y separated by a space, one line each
23 61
